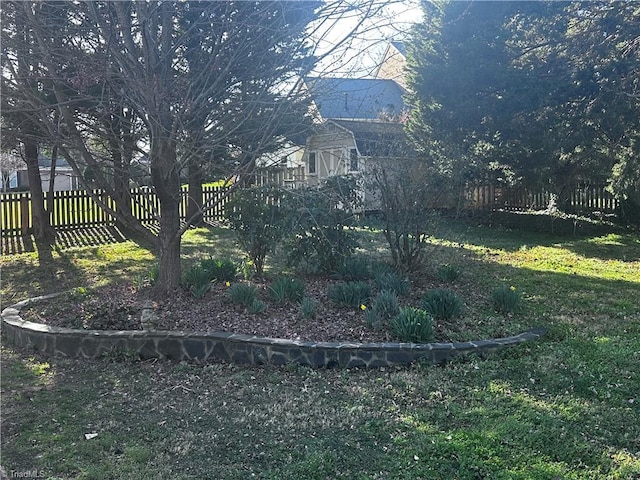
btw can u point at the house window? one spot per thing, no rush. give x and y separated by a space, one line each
353 160
312 163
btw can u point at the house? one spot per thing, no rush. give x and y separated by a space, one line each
18 179
357 122
393 64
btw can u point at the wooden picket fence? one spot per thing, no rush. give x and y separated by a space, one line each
582 199
75 209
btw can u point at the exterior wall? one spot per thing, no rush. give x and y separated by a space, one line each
332 153
65 179
393 66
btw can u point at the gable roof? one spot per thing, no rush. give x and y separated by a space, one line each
355 98
400 47
378 139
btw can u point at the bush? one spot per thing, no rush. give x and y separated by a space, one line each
243 294
258 221
257 306
413 325
200 291
506 299
196 277
321 219
406 192
448 273
350 294
286 290
394 282
354 269
222 270
442 304
372 319
308 307
385 305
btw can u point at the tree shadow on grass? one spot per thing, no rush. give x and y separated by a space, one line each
625 248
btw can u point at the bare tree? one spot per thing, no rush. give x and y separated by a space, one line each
208 81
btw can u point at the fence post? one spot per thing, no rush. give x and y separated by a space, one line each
24 215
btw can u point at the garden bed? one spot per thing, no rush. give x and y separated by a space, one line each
119 307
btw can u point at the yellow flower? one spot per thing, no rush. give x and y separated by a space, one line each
512 288
363 307
228 284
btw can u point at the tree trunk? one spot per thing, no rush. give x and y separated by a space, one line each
169 240
42 231
194 205
166 180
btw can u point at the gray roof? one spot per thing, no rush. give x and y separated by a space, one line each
400 47
350 98
378 139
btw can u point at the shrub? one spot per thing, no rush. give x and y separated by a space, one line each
394 282
200 291
385 305
258 221
308 307
286 290
196 276
354 269
243 294
413 325
442 304
257 306
406 191
222 270
506 299
321 218
372 319
448 273
350 294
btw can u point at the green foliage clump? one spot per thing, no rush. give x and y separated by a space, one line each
256 216
349 294
220 269
308 307
257 306
285 290
384 307
147 279
393 282
448 273
322 219
506 299
413 325
386 304
354 269
442 304
199 277
243 294
196 277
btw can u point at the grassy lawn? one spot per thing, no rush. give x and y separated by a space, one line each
567 407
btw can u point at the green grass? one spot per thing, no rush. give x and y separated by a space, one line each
566 407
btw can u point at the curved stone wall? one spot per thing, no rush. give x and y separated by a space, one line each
236 348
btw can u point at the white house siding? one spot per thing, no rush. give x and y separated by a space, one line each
332 153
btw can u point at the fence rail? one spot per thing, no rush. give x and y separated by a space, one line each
77 209
581 199
72 209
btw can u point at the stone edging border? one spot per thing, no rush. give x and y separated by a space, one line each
235 348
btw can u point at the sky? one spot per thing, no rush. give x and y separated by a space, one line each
358 54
